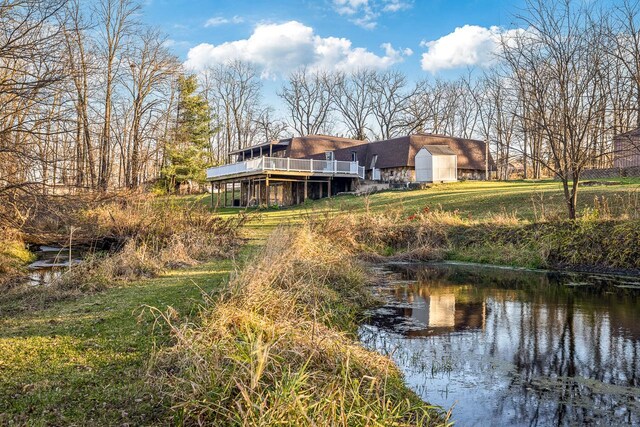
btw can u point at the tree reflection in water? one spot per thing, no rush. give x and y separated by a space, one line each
514 347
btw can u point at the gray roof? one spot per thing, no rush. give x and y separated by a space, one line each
282 142
631 133
439 150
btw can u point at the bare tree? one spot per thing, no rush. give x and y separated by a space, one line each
29 70
624 35
390 101
233 91
117 22
80 69
151 66
561 58
309 97
354 101
66 82
269 128
502 122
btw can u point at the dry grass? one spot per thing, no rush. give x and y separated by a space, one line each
603 239
420 236
278 348
155 221
147 236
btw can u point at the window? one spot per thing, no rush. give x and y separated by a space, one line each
374 160
329 155
354 156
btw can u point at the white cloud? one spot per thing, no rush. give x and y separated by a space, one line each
172 43
349 7
365 13
396 5
281 48
219 20
470 45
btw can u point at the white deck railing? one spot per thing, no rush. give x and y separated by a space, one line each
264 164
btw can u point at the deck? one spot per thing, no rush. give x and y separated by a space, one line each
286 166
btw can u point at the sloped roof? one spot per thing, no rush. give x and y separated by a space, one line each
282 142
400 152
314 145
304 146
631 133
392 153
439 150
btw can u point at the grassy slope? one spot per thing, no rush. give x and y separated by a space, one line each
478 198
82 361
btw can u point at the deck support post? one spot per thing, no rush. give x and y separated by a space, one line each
233 194
267 191
297 187
306 189
259 192
212 194
242 191
225 194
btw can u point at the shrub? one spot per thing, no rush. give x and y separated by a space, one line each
13 255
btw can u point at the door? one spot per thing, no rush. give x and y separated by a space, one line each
424 167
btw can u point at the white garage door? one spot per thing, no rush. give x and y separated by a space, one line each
424 166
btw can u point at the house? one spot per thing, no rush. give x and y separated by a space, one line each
393 160
626 149
289 171
286 172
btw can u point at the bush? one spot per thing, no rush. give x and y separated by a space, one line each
14 255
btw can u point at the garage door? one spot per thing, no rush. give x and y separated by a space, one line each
424 171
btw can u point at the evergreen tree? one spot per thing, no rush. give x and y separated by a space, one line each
189 154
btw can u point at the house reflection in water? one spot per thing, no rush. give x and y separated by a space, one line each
512 347
431 311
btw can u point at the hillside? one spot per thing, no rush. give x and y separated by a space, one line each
84 360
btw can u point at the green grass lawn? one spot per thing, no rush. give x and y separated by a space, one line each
82 362
479 198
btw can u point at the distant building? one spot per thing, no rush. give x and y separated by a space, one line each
289 171
626 149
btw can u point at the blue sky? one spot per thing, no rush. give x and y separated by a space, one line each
281 35
419 20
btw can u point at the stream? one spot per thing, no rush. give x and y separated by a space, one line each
509 347
51 262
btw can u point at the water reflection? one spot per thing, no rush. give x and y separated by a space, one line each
514 347
51 262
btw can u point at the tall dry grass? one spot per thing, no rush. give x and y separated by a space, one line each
421 236
145 236
603 239
279 348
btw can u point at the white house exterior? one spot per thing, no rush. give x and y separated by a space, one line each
436 163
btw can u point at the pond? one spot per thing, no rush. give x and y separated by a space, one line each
513 347
51 262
